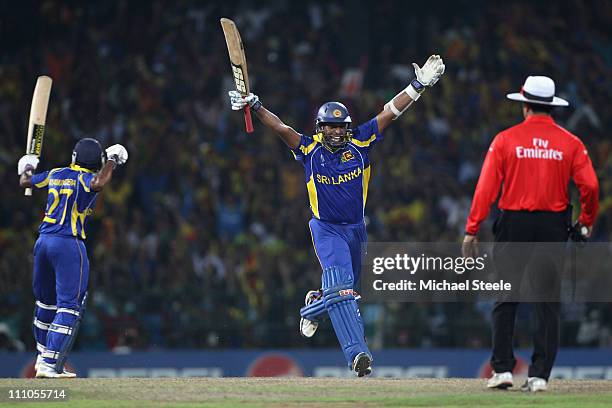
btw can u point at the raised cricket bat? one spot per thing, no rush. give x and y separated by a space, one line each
38 118
239 65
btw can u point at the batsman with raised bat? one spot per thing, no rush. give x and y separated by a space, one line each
61 266
337 173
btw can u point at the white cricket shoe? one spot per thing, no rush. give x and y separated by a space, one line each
39 359
535 384
309 327
362 364
46 370
500 380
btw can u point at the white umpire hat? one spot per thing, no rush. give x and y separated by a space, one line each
539 90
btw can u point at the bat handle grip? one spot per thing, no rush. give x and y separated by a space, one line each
247 119
28 192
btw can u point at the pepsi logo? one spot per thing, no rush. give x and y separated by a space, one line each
274 365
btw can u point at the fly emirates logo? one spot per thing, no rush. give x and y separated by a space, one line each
540 150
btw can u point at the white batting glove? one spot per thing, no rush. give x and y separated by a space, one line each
239 102
117 153
25 161
431 72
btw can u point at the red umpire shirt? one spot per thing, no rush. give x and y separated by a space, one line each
534 161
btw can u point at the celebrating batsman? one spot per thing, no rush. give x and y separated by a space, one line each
61 267
337 173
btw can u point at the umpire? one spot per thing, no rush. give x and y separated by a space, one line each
534 162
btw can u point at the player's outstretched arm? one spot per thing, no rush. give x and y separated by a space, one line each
117 155
286 133
426 77
25 168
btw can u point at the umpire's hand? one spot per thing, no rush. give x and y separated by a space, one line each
469 249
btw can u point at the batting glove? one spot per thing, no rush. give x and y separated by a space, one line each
431 71
25 161
239 102
117 153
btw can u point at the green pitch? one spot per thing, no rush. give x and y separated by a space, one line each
305 392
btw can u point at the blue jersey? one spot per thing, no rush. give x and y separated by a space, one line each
337 182
70 200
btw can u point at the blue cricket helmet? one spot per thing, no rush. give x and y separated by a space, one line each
333 112
88 153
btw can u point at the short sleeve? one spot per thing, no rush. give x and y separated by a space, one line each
41 180
367 134
306 146
85 181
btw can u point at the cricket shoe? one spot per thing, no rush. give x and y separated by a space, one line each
39 359
500 380
46 370
535 384
309 327
362 364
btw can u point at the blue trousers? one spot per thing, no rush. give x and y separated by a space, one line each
60 278
339 245
339 248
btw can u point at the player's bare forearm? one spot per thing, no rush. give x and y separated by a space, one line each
25 180
401 102
104 176
286 133
426 77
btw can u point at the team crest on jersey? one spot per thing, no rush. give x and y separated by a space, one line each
337 113
346 156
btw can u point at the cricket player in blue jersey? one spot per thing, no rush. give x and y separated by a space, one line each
337 169
61 266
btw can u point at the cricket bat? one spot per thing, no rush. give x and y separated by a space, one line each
38 118
239 65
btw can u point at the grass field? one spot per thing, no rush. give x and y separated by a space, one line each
307 392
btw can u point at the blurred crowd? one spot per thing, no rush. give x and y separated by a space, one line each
201 241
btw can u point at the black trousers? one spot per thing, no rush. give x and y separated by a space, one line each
522 226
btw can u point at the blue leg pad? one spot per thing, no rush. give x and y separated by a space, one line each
340 303
61 331
43 316
62 334
315 311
